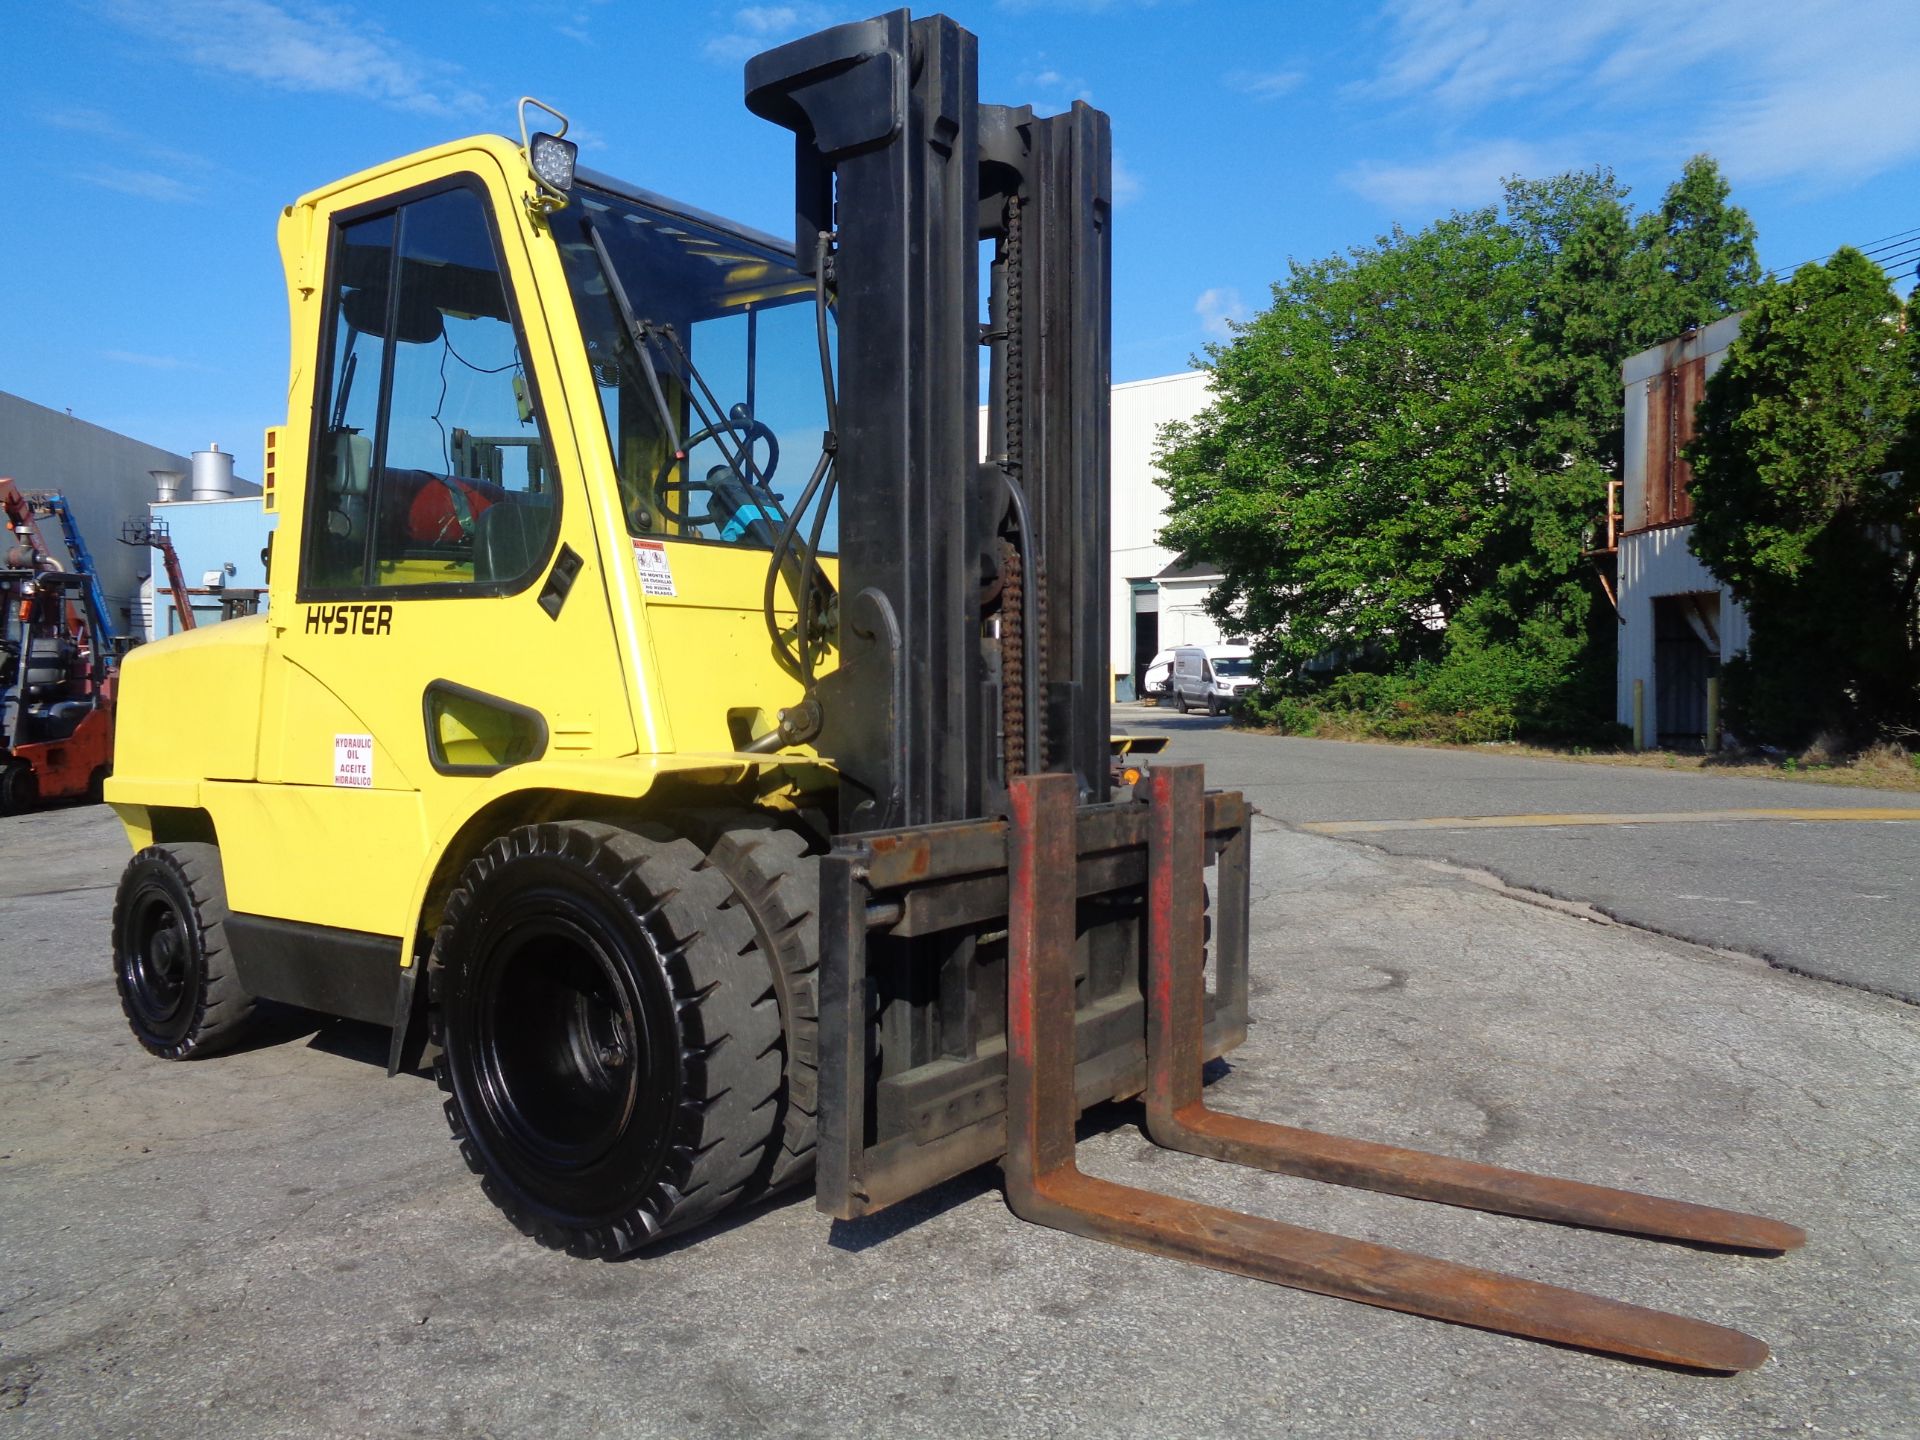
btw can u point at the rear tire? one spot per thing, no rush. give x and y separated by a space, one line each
1179 699
609 1040
775 873
172 964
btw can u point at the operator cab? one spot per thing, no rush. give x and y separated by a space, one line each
729 376
435 469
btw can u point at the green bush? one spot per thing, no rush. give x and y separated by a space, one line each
1474 694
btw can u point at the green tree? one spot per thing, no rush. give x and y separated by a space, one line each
1407 446
1696 257
1347 477
1542 622
1806 494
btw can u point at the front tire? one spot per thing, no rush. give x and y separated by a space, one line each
18 787
609 1039
172 963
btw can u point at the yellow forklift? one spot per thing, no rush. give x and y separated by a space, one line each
666 724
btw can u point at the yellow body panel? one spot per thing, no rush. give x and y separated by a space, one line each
195 701
301 735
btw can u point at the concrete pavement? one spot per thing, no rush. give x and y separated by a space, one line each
281 1242
1674 851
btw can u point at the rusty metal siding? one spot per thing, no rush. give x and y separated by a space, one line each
1688 384
1670 400
1705 350
1656 561
1659 454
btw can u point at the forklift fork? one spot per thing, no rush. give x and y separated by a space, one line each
1044 1186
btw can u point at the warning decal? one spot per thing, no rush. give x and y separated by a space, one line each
353 761
656 571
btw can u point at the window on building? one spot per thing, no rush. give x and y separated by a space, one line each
1671 398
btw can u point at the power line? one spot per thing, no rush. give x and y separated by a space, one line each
1870 246
1888 252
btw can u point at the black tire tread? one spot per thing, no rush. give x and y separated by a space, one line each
730 1054
223 1010
775 875
19 789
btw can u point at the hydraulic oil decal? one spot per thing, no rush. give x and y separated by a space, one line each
353 761
656 571
350 619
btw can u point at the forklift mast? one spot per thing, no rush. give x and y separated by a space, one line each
973 629
1003 941
895 157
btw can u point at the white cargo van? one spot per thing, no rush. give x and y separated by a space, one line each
1216 676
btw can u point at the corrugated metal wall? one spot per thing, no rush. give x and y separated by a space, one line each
1656 562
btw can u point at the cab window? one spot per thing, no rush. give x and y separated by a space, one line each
432 467
714 419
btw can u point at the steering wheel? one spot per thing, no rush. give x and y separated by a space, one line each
672 493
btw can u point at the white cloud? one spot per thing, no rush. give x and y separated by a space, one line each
323 50
1085 7
128 142
152 362
1775 89
1048 88
754 28
578 25
1469 176
142 184
1127 186
1219 310
769 19
1266 84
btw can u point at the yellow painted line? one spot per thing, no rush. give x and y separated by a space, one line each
1658 817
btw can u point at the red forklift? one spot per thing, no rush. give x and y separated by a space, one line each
59 655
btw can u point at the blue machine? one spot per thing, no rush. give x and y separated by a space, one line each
83 564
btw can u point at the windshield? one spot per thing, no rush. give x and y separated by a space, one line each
1239 666
735 366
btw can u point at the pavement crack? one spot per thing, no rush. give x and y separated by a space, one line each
1598 914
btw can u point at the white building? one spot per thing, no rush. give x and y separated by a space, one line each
1679 624
1158 596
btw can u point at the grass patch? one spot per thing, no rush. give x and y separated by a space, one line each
1374 711
1878 767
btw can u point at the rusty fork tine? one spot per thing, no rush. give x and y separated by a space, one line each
1178 1117
1044 1186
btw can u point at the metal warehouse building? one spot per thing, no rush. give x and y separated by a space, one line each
108 479
1679 624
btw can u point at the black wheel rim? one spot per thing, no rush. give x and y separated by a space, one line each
159 958
565 1065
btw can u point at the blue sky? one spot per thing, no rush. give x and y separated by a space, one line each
156 141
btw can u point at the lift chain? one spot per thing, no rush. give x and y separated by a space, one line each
1013 655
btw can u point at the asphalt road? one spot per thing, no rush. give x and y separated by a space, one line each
1836 897
282 1242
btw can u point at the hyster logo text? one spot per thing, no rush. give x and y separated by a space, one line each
349 619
